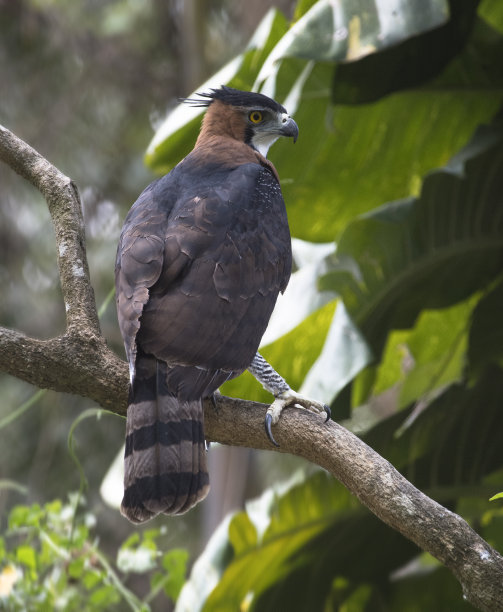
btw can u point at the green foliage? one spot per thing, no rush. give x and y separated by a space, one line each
398 163
404 257
310 546
350 30
50 560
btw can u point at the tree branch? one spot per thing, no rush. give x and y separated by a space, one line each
64 206
80 362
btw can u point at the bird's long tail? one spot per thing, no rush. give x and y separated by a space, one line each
165 458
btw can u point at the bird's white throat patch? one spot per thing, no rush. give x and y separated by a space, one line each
262 141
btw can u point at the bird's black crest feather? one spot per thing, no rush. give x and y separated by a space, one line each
235 97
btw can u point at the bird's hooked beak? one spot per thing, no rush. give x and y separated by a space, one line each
289 128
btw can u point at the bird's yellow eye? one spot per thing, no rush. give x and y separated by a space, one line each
255 116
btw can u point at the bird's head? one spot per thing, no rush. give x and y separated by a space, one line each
246 116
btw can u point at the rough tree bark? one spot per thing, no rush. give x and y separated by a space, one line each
80 362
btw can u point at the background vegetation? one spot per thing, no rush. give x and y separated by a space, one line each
393 314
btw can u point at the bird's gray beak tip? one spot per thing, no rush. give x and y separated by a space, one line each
290 129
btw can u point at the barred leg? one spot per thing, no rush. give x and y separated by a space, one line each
285 396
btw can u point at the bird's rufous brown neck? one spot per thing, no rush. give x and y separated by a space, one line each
222 135
222 120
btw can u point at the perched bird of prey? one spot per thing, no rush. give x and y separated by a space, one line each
202 257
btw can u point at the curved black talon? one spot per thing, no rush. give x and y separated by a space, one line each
328 411
267 424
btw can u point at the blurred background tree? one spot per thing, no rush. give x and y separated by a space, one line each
395 193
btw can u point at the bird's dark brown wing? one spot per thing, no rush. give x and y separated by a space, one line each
205 297
138 265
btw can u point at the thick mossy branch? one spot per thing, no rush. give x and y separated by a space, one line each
80 362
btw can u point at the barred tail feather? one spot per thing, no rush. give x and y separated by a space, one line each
165 457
